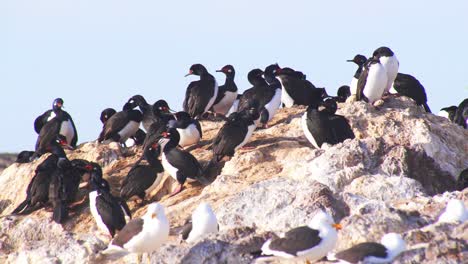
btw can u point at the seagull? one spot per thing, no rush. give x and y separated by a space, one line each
455 212
310 243
203 222
390 246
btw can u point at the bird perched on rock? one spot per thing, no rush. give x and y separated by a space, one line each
66 127
142 235
50 132
455 212
145 108
461 115
162 115
139 136
227 93
200 95
409 86
121 125
180 164
448 112
386 251
141 180
189 129
311 242
372 82
108 211
235 133
390 62
360 60
203 222
298 91
321 125
343 93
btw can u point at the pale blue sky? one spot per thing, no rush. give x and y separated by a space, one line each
96 54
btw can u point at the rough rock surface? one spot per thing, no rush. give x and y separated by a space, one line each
396 176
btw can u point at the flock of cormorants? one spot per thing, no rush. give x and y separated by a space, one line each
167 134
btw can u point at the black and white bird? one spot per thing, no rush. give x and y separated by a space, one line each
162 115
189 129
455 212
121 126
203 222
461 115
297 91
37 192
372 82
142 235
321 125
342 94
64 184
390 62
227 93
259 92
139 136
66 126
311 242
145 108
235 133
448 112
108 211
360 60
200 95
50 132
272 104
180 164
141 180
409 86
390 246
235 105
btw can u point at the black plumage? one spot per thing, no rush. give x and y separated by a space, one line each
409 86
141 178
461 115
343 93
106 114
139 136
189 129
227 93
200 95
122 125
360 251
51 132
451 111
235 133
104 206
162 117
179 163
324 126
24 156
145 108
360 60
63 116
296 240
298 91
260 91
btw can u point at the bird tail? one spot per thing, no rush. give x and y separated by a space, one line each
426 107
60 212
21 207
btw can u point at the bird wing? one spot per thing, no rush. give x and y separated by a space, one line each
110 211
185 162
361 84
113 125
131 229
186 229
360 251
228 139
340 128
296 240
41 120
48 133
138 179
199 97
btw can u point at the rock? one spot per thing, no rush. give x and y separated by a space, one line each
396 176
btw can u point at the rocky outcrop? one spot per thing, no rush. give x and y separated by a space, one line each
395 176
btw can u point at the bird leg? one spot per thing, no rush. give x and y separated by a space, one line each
177 190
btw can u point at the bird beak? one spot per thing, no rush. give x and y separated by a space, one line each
219 70
189 73
337 226
154 215
173 111
350 60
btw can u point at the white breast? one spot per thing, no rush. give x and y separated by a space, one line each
234 107
168 167
189 135
274 104
213 99
52 115
391 66
250 130
353 86
66 129
94 212
376 82
286 99
225 104
307 133
129 130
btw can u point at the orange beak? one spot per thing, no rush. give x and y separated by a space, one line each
337 226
